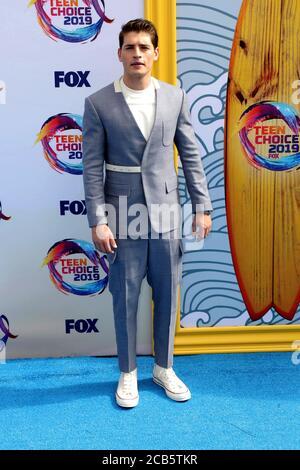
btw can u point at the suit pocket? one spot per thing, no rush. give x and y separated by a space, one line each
111 257
167 134
171 184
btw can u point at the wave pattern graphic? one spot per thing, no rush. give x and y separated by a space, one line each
210 294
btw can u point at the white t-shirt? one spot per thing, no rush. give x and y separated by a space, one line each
142 106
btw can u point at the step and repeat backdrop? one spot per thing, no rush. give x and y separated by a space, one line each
54 297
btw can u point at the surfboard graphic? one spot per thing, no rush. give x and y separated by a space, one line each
262 156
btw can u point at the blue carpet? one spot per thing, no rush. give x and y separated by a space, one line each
239 401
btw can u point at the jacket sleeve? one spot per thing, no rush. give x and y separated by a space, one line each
94 144
186 143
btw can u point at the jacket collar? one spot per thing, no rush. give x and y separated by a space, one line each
117 86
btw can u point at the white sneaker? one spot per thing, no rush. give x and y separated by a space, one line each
127 394
174 387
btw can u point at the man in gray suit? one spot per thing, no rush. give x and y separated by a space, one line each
129 129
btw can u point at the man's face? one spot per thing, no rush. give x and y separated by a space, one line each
137 54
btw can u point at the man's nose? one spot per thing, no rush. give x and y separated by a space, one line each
137 52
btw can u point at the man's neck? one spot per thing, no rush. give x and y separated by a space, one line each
137 83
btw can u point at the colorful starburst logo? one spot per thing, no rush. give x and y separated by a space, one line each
61 138
75 267
269 133
76 21
4 328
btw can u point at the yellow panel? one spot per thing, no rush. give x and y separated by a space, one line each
163 15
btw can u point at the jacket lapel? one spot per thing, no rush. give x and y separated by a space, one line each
156 132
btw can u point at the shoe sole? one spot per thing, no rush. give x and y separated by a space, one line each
173 396
127 403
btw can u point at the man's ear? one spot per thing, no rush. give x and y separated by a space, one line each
119 54
156 54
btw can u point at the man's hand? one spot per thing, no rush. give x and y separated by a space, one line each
201 225
103 238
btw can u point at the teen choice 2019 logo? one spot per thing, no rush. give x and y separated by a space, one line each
71 20
61 138
269 132
75 267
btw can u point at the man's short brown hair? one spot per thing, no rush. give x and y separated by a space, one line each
137 26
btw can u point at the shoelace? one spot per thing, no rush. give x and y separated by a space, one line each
172 378
128 382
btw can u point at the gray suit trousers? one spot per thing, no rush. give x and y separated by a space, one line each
159 259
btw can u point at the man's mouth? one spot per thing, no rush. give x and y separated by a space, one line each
137 63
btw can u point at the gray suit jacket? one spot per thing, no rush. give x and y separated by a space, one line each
111 134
